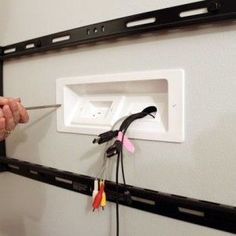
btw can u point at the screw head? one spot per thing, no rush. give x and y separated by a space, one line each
38 44
214 6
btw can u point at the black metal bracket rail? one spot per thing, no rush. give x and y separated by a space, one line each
1 55
194 13
214 215
2 144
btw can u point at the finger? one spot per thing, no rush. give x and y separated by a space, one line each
11 98
24 117
3 101
10 123
15 111
2 128
2 124
1 113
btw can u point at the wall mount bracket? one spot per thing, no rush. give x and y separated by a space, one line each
195 211
214 215
207 11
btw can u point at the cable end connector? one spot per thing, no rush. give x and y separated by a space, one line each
96 140
114 149
151 111
105 137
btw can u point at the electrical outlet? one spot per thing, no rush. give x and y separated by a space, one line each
98 110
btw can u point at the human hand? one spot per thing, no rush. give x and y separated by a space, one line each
12 112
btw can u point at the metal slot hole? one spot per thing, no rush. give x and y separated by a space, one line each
67 172
212 203
193 12
139 199
103 28
80 187
141 22
61 38
30 45
63 180
178 196
95 30
53 169
88 31
14 167
9 50
191 212
33 172
226 206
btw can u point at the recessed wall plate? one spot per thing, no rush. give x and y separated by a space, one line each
93 104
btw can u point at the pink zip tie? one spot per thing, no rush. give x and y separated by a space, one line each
127 143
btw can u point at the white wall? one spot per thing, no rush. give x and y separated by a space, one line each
203 167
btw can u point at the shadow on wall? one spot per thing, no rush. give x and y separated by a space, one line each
22 204
215 157
22 135
25 197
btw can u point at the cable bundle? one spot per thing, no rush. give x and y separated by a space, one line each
116 149
99 195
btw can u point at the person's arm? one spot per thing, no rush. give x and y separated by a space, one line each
12 112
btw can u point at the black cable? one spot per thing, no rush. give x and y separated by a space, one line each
122 157
123 128
117 220
125 125
129 120
117 149
117 195
122 166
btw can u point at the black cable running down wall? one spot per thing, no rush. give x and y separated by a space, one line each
214 215
179 16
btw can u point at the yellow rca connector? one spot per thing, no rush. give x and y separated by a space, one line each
104 199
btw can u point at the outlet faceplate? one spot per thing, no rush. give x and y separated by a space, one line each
97 110
93 104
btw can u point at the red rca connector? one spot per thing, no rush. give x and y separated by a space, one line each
98 198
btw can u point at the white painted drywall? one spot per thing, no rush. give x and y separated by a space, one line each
203 167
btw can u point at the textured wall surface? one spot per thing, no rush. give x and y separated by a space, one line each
202 167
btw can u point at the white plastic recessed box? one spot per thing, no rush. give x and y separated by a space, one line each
93 104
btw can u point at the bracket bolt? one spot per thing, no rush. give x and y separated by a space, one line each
38 44
214 6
